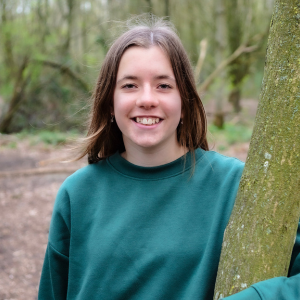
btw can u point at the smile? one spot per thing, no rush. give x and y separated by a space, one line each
146 121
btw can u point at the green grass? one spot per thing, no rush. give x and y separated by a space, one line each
47 137
12 145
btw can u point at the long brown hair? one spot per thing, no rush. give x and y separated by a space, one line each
104 137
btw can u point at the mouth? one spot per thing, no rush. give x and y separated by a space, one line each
147 120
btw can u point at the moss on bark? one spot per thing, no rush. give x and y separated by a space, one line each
261 232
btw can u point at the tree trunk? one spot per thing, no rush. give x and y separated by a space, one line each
234 98
167 7
70 19
219 56
238 68
17 97
7 41
42 14
260 235
149 6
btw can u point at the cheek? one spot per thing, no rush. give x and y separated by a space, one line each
174 108
122 106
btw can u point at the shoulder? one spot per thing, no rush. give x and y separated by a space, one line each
85 175
80 184
220 176
219 167
222 161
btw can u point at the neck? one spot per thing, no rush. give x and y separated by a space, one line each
147 157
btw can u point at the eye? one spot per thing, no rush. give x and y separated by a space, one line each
128 86
164 86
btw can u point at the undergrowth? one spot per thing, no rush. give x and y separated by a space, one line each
53 138
231 134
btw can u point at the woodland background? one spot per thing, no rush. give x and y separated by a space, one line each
51 52
50 56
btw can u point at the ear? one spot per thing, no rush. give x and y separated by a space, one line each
182 110
182 114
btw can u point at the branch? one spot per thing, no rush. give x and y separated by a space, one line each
65 70
202 54
241 49
38 171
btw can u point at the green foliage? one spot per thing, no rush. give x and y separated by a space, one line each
231 134
47 137
12 145
52 137
252 85
6 90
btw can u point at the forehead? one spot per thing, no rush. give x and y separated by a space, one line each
140 59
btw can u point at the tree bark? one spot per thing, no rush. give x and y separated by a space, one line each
260 235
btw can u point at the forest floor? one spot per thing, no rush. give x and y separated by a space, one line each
30 176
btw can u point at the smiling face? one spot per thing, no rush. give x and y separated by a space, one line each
147 102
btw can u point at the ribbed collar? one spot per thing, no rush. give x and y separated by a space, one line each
173 168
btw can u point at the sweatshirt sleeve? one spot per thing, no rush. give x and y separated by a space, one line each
279 288
54 278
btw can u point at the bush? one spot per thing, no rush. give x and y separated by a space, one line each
231 134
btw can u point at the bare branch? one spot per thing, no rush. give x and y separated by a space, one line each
37 171
241 49
202 54
65 70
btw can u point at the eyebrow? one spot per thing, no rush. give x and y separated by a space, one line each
136 78
165 77
128 77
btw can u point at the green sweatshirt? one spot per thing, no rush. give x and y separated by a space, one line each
121 231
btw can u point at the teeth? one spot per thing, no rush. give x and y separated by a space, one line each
147 121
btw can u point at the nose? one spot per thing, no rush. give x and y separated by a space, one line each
147 98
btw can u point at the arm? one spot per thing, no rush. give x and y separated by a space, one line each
54 278
279 288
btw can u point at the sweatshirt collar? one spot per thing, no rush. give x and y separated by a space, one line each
176 167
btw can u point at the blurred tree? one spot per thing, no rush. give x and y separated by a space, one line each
74 35
69 16
17 96
220 45
239 68
25 78
149 6
167 7
260 235
6 38
240 24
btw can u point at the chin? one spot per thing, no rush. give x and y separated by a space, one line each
148 145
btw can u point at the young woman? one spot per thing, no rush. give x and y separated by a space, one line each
145 219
